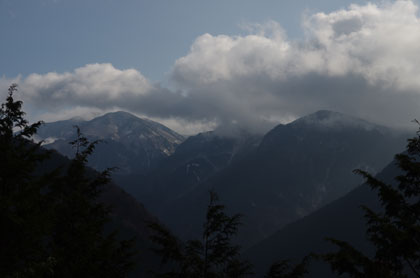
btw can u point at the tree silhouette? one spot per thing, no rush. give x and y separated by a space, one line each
212 256
395 231
79 243
52 223
285 269
24 213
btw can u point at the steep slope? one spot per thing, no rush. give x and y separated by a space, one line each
131 144
197 159
296 169
321 150
342 219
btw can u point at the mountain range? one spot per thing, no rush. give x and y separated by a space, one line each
197 159
296 172
295 169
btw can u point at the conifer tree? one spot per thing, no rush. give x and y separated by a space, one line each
212 256
79 243
395 231
52 223
23 210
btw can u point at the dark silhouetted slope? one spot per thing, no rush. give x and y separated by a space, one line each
343 219
296 169
129 217
196 160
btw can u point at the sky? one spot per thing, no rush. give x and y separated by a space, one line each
195 65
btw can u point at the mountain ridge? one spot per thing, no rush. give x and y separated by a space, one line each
295 170
133 145
342 219
333 119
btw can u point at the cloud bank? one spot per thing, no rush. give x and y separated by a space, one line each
362 60
96 85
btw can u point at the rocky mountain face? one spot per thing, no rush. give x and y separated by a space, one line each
296 169
197 159
133 145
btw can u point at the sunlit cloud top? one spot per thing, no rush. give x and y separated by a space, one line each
362 60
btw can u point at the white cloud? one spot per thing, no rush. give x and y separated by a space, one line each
78 112
378 42
362 60
96 85
216 58
185 127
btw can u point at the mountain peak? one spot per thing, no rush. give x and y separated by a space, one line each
331 119
119 115
325 114
134 144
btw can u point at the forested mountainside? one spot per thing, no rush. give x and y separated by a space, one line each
296 169
195 160
342 219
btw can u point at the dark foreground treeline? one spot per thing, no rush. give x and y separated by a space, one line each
53 222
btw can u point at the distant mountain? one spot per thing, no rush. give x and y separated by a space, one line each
342 219
321 150
296 169
197 159
325 119
133 145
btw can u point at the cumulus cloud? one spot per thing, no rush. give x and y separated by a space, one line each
95 89
379 43
96 85
362 60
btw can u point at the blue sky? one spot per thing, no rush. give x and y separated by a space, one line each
197 65
60 35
